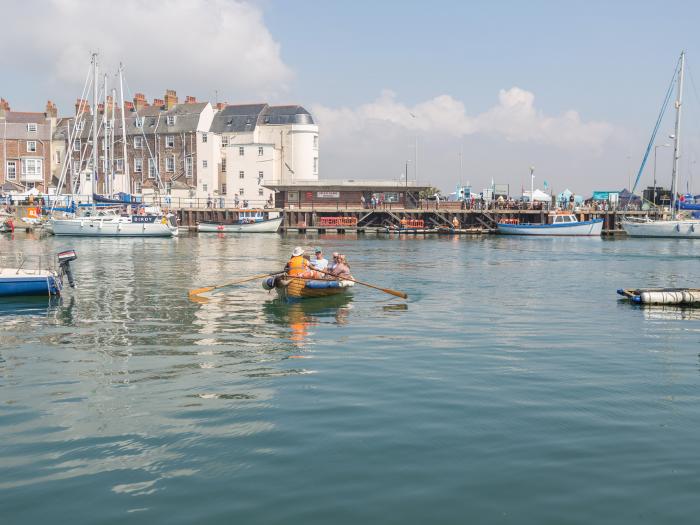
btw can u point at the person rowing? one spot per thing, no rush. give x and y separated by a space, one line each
299 266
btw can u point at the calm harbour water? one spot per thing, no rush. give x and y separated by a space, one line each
512 386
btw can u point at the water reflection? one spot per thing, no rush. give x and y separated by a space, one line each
670 313
302 316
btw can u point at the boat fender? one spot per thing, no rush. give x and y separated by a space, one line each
163 220
692 228
269 283
678 227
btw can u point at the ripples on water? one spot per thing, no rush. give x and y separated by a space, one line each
512 387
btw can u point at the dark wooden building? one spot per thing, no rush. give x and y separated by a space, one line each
347 194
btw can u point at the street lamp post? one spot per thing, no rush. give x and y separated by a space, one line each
532 187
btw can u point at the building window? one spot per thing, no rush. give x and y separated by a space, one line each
120 165
168 187
76 166
171 120
223 189
188 167
241 151
315 164
32 127
108 124
31 146
261 150
170 163
76 145
315 141
260 177
32 167
138 122
204 137
204 187
241 192
223 165
11 170
260 192
151 168
138 165
241 174
138 142
170 141
58 157
224 140
79 126
137 186
204 164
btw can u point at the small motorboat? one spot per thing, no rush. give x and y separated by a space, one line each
248 222
561 223
678 296
24 281
293 288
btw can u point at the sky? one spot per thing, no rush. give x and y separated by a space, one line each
485 90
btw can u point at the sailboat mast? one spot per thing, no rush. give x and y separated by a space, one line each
94 121
111 140
127 187
677 140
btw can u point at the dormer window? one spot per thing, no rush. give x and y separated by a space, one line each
153 121
108 124
138 122
171 120
32 127
79 126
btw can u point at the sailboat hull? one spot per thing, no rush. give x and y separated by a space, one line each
681 229
111 228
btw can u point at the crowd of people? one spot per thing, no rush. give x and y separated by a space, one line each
317 267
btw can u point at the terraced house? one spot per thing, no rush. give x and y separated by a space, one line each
26 148
168 147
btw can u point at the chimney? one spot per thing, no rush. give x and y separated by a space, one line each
220 105
51 110
100 108
85 106
4 107
128 106
140 101
190 100
159 103
170 98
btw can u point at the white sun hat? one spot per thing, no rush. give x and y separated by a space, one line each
298 251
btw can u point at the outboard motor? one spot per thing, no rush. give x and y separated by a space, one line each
64 260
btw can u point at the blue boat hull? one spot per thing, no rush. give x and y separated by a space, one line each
30 285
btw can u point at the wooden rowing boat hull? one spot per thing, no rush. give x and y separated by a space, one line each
299 288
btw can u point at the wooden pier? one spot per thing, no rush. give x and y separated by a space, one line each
447 218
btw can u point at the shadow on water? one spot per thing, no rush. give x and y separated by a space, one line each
663 312
33 306
300 316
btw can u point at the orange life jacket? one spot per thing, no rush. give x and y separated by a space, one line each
297 265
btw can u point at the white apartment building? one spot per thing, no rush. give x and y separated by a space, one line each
264 144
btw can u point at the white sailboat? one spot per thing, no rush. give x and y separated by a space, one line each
677 225
110 223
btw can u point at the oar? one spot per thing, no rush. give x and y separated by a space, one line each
206 289
385 290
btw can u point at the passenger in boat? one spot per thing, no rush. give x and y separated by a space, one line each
341 269
333 262
320 262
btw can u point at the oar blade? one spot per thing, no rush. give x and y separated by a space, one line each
198 291
396 293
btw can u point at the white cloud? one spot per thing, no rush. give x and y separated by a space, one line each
515 119
375 139
187 45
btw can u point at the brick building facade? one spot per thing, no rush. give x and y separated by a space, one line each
26 148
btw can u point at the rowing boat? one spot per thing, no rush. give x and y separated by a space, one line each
294 288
